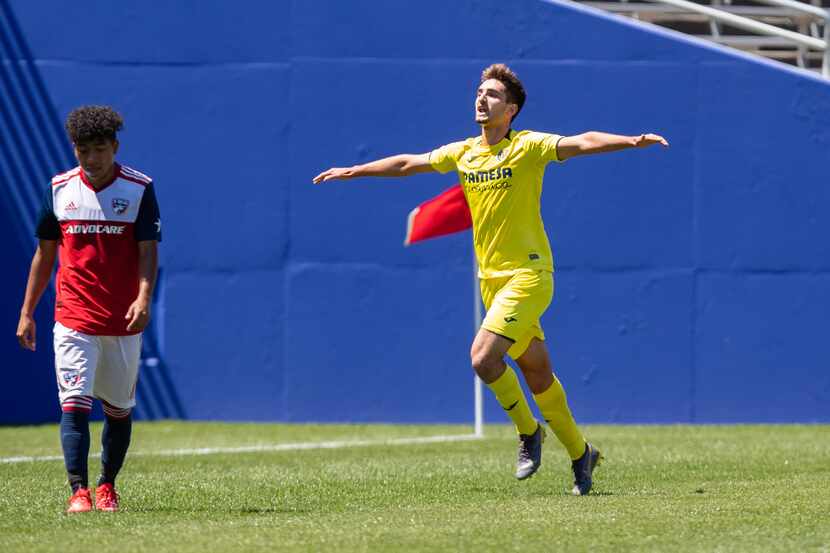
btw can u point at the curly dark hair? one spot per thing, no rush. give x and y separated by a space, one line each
515 90
93 124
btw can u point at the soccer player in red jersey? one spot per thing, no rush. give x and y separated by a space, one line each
102 221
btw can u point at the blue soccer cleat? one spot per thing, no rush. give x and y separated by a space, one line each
584 468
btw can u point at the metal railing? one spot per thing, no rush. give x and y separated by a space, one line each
818 13
766 29
735 16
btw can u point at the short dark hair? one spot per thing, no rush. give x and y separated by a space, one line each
515 90
93 124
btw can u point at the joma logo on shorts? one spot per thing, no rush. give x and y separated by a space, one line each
510 319
95 229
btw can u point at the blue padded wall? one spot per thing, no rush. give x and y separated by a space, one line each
692 284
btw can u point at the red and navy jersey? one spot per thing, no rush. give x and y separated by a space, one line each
98 233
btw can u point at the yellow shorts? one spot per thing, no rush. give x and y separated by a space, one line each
514 305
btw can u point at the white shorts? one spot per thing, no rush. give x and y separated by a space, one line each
105 367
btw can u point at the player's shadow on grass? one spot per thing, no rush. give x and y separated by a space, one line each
524 490
268 510
565 493
229 510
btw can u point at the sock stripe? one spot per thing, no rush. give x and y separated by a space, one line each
115 412
77 403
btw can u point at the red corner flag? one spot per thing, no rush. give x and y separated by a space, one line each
446 213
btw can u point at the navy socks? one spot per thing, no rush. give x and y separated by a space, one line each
115 440
75 444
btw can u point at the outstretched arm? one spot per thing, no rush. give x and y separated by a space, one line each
401 165
599 142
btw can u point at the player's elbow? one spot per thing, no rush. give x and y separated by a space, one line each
588 142
405 166
410 165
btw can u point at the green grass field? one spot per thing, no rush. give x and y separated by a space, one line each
661 488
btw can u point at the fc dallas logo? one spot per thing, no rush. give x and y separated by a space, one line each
120 205
69 378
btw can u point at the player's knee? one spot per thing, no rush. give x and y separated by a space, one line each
486 365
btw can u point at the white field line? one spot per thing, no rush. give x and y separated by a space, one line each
300 446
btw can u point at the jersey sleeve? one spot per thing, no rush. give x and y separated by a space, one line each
545 145
445 158
48 227
148 222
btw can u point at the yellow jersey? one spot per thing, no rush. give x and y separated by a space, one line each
503 187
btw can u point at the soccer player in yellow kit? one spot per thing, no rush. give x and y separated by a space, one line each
501 171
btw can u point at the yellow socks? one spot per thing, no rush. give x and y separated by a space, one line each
552 403
554 407
512 399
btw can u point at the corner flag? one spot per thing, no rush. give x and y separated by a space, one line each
444 214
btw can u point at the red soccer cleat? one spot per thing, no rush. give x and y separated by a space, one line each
106 498
80 502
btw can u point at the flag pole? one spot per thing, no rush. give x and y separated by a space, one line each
445 214
478 317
